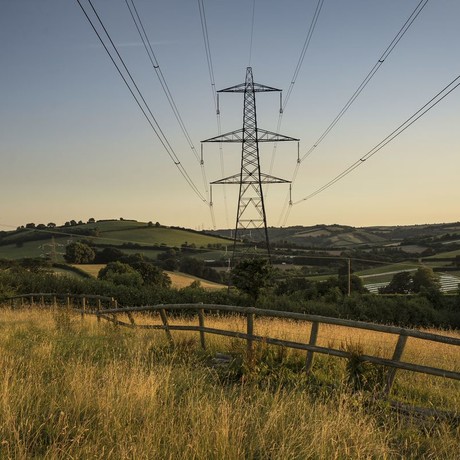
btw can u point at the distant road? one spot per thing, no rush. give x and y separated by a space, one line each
388 273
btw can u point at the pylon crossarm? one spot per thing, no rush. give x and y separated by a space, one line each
233 136
262 136
264 179
268 136
241 88
235 179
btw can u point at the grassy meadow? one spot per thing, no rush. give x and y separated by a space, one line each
76 388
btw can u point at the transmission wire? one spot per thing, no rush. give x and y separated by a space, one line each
399 130
355 95
156 66
204 28
154 125
306 44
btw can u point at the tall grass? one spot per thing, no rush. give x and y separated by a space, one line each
73 388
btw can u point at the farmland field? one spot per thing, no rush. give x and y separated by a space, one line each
73 388
178 280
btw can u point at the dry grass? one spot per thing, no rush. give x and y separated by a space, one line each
91 269
178 280
181 280
73 388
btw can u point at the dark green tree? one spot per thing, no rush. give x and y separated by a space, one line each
401 283
251 276
107 255
151 275
425 279
121 274
78 253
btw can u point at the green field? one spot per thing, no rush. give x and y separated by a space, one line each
29 249
116 233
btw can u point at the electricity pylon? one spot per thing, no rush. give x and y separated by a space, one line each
251 207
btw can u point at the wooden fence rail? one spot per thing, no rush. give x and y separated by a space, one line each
311 347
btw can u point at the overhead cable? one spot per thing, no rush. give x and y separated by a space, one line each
138 97
399 130
287 209
156 66
204 29
306 44
369 76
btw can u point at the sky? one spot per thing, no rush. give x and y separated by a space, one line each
74 144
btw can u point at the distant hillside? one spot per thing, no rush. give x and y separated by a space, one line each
412 239
127 235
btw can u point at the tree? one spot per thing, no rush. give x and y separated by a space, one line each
78 253
356 284
151 275
51 225
91 220
401 283
251 276
119 273
109 254
425 279
30 225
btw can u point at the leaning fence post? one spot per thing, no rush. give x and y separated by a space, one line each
83 306
98 310
250 333
313 337
399 349
68 301
201 323
32 301
166 325
131 318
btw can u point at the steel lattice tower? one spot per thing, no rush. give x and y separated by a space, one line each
251 207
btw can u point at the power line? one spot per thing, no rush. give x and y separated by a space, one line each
287 209
156 66
283 105
399 130
204 29
152 121
369 76
302 53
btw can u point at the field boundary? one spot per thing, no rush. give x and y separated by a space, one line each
108 309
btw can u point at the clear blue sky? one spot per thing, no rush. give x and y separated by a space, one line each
74 145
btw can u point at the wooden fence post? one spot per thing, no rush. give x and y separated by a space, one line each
399 349
68 301
131 318
54 302
32 301
313 337
250 333
98 310
42 300
83 306
201 323
164 318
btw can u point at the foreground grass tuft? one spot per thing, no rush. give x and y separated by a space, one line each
72 388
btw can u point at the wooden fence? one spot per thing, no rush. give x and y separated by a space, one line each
107 308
